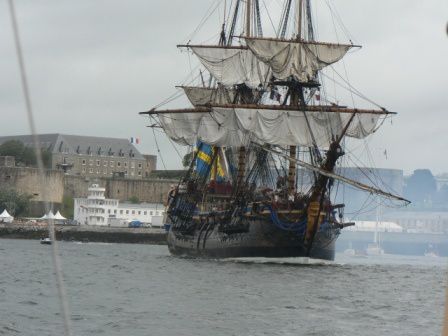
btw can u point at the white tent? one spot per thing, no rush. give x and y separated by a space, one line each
58 216
49 215
5 217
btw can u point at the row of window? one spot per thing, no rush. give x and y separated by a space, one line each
133 212
98 171
122 212
111 163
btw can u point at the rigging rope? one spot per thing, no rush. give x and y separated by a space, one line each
158 148
29 109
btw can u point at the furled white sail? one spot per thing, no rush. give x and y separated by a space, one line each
293 58
232 65
224 126
200 96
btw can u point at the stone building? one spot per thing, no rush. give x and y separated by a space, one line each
92 156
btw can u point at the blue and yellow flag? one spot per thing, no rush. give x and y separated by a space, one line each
204 164
204 158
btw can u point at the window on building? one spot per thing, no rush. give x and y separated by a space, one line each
98 162
145 212
150 213
83 162
127 212
139 212
125 164
83 169
140 165
91 170
125 172
115 211
108 211
112 163
118 164
139 173
97 171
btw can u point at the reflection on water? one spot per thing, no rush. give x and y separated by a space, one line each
142 290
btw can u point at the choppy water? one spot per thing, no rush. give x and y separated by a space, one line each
141 290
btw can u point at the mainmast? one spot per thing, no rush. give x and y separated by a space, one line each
242 149
296 92
299 18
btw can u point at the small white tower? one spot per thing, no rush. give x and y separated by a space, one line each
96 206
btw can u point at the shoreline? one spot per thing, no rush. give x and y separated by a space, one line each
96 234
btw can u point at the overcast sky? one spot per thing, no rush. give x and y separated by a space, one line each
93 65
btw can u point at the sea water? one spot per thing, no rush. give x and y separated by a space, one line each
118 289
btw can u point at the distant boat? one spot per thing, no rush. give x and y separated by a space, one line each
46 241
374 249
431 252
431 255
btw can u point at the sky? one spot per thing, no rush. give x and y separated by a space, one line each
93 65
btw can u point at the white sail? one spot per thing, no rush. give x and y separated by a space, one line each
182 128
224 126
232 65
200 96
293 58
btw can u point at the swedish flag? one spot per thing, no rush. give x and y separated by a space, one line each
204 158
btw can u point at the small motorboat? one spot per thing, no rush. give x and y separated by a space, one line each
46 241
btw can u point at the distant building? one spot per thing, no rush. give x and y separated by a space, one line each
7 161
442 181
92 156
96 209
420 221
359 204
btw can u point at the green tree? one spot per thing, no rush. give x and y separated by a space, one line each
68 206
421 186
134 200
24 155
12 148
186 161
15 203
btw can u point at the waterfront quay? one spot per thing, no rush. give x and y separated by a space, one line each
85 233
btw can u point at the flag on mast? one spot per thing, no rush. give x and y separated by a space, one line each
135 140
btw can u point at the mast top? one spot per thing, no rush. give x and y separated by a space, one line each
248 17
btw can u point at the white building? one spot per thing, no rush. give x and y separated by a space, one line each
372 226
96 209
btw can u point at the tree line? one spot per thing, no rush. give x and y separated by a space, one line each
24 156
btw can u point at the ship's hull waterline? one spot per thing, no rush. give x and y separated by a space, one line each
263 239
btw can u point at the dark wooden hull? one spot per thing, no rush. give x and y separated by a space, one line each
263 239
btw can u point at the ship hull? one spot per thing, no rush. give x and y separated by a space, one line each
262 239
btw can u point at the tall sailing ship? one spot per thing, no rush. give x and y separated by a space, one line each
254 125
